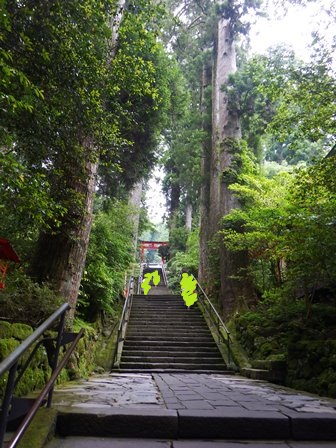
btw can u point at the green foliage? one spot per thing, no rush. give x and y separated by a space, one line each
26 205
24 301
288 230
91 94
7 346
184 260
140 79
109 256
289 101
178 237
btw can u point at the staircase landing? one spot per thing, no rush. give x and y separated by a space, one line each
193 406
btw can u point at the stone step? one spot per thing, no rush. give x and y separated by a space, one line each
178 331
171 365
176 353
149 344
223 371
159 323
171 310
159 317
255 420
168 314
164 336
178 309
189 339
186 323
152 300
170 329
160 303
163 358
155 324
133 351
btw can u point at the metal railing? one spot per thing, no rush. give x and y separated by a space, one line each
123 324
215 321
11 365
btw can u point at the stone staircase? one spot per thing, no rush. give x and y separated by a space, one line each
163 335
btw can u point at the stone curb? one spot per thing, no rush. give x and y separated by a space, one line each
233 424
118 422
312 426
237 424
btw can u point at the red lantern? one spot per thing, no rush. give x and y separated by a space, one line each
7 254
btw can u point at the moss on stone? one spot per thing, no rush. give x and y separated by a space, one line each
239 354
7 346
32 379
21 331
41 430
282 332
5 330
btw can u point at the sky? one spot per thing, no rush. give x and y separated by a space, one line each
295 30
155 199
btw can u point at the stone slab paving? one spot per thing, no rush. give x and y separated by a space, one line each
182 406
109 391
99 442
223 406
216 392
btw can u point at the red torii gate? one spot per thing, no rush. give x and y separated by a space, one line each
7 253
150 245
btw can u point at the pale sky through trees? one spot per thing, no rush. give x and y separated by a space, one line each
155 199
294 29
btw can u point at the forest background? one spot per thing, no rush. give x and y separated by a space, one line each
94 93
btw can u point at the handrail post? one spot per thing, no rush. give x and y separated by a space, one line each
229 350
7 402
56 354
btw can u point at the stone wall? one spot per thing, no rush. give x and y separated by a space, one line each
306 345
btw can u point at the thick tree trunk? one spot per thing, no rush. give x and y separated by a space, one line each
134 201
203 270
188 216
174 205
61 253
225 126
225 150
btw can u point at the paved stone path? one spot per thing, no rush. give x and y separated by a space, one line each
94 442
198 406
114 390
232 393
188 391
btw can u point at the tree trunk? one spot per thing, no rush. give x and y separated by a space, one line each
134 201
203 270
225 152
174 205
188 218
61 253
